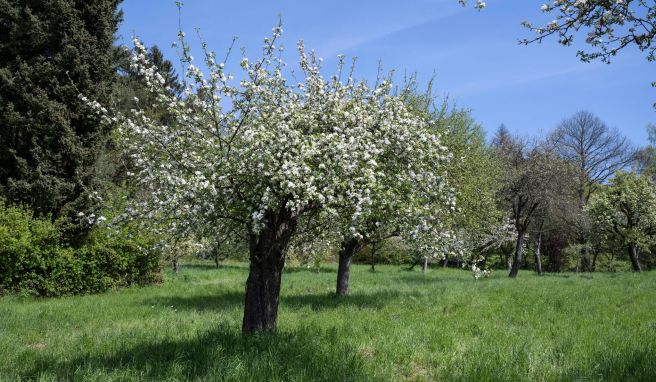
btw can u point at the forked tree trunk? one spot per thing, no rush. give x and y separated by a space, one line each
346 253
519 254
538 254
633 255
267 259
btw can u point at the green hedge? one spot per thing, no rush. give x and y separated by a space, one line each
35 261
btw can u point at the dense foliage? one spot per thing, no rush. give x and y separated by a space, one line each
49 145
625 215
34 259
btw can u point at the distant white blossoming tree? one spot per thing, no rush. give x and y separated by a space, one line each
251 159
625 213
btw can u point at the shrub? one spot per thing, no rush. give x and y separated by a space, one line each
34 260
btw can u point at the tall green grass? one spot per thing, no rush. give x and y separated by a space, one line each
396 325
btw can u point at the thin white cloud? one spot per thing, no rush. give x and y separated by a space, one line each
489 84
375 31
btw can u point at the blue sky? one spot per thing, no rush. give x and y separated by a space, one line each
474 55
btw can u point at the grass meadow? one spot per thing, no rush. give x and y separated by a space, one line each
396 325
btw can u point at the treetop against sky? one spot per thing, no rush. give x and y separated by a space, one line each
474 56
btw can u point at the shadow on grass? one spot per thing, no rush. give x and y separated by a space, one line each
309 270
228 300
220 354
632 365
211 266
376 300
432 278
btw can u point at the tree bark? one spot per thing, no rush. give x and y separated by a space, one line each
346 253
267 260
217 261
175 264
373 257
519 254
633 255
585 259
538 254
424 266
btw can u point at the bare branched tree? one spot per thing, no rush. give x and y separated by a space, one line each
595 149
597 152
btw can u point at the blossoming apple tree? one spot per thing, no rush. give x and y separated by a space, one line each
250 159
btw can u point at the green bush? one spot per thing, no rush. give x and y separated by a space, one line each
34 260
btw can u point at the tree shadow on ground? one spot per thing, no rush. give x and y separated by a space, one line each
228 300
419 278
297 269
211 266
637 364
307 354
327 301
219 301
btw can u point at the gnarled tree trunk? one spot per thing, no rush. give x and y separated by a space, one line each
519 254
267 259
633 255
346 253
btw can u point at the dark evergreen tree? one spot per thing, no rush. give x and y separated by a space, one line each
131 87
51 51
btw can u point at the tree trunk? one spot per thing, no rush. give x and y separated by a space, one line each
373 257
346 252
585 259
519 254
267 260
633 255
424 266
446 261
538 254
217 260
176 264
595 254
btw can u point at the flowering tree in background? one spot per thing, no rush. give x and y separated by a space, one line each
393 211
626 213
251 160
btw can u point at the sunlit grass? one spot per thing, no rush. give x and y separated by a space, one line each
396 325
